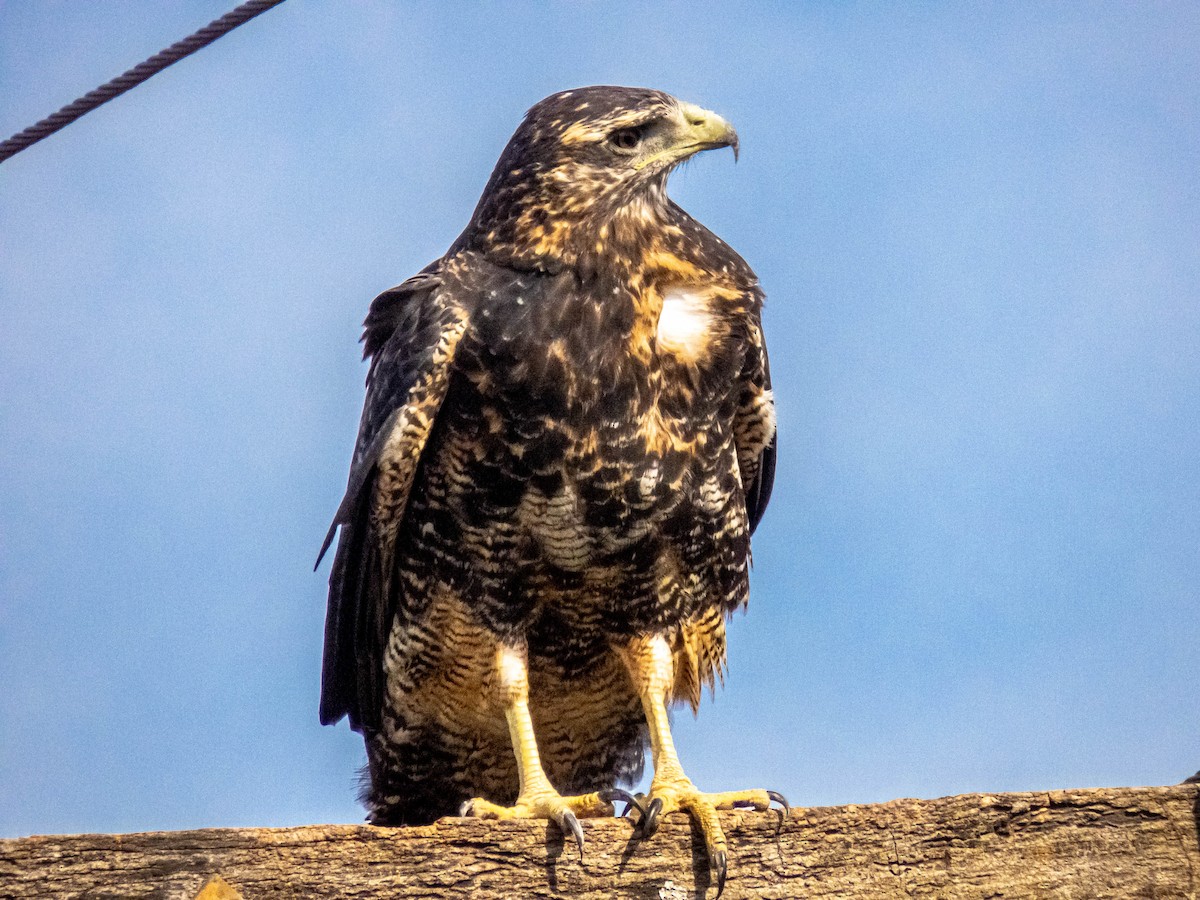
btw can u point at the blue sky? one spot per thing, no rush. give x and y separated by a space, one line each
977 226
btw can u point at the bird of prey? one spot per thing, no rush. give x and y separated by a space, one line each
567 440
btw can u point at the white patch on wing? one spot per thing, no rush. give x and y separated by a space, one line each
768 405
684 323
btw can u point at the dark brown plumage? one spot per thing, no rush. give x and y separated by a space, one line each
567 440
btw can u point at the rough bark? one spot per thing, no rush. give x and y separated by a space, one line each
1093 844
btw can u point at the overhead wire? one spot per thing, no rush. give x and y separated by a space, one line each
135 76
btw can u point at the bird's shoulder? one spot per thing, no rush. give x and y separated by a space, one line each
717 260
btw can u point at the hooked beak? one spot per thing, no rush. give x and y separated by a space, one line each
694 130
707 131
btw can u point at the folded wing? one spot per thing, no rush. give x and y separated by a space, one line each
410 335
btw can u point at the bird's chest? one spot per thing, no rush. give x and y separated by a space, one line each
605 408
662 350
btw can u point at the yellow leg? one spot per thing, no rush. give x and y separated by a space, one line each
537 798
652 668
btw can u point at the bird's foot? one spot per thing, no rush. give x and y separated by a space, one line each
549 804
679 794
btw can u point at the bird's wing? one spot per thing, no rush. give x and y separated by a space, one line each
410 333
754 428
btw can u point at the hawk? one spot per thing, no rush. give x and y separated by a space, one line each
567 441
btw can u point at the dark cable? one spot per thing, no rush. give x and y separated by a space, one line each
134 76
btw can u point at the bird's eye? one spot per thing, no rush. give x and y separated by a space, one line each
626 138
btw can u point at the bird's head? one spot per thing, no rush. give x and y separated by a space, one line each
583 162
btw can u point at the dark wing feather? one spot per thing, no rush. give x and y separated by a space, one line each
410 334
758 493
755 429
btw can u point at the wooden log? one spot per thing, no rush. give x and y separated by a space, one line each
1094 844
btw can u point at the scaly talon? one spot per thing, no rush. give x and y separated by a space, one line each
563 811
652 664
677 793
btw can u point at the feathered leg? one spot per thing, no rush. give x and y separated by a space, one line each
652 669
537 798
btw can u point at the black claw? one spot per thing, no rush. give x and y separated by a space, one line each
612 795
642 802
720 863
570 823
779 798
650 819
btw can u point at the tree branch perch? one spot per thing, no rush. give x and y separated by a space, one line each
1096 844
